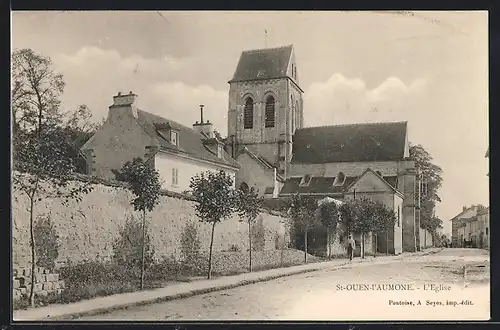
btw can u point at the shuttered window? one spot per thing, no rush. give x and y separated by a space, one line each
248 113
270 112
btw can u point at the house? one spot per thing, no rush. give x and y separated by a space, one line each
482 232
461 226
266 134
178 152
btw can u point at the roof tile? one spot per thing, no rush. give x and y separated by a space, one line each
190 141
263 64
349 143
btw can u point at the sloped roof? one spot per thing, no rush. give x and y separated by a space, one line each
263 64
391 178
190 141
261 161
318 185
484 211
349 143
324 185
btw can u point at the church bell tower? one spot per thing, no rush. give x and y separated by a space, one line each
265 105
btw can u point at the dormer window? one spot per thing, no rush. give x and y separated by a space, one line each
339 180
306 180
220 151
174 138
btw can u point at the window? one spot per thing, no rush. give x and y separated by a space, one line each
486 231
306 180
220 151
248 113
174 138
175 177
270 111
339 180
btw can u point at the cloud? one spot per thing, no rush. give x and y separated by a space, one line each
93 75
341 100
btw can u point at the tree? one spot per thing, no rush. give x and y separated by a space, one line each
248 207
302 213
385 220
215 201
144 182
36 89
43 167
430 174
360 215
329 217
79 125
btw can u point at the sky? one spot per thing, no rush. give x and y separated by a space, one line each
427 68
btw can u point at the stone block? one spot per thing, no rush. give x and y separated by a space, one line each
47 286
23 290
59 291
42 293
16 295
39 278
15 272
52 277
26 272
38 287
61 284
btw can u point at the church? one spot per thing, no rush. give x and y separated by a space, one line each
268 147
280 157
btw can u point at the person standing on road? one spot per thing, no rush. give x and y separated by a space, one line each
351 245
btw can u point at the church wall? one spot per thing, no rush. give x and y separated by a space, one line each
348 168
253 174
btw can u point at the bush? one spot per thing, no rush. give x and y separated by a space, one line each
46 242
190 243
127 249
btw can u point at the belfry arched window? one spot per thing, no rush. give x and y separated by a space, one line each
270 111
248 113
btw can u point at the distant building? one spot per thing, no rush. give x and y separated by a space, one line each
463 226
178 152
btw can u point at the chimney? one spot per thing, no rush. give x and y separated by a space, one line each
464 208
123 104
205 127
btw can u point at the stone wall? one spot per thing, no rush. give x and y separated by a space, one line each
87 229
425 239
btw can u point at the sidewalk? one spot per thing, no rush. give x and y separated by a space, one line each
182 290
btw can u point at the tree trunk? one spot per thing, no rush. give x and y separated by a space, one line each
425 239
250 245
387 242
328 245
362 245
210 253
143 246
305 246
376 245
33 250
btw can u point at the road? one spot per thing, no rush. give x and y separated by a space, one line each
368 291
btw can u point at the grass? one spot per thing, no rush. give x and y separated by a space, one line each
97 279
